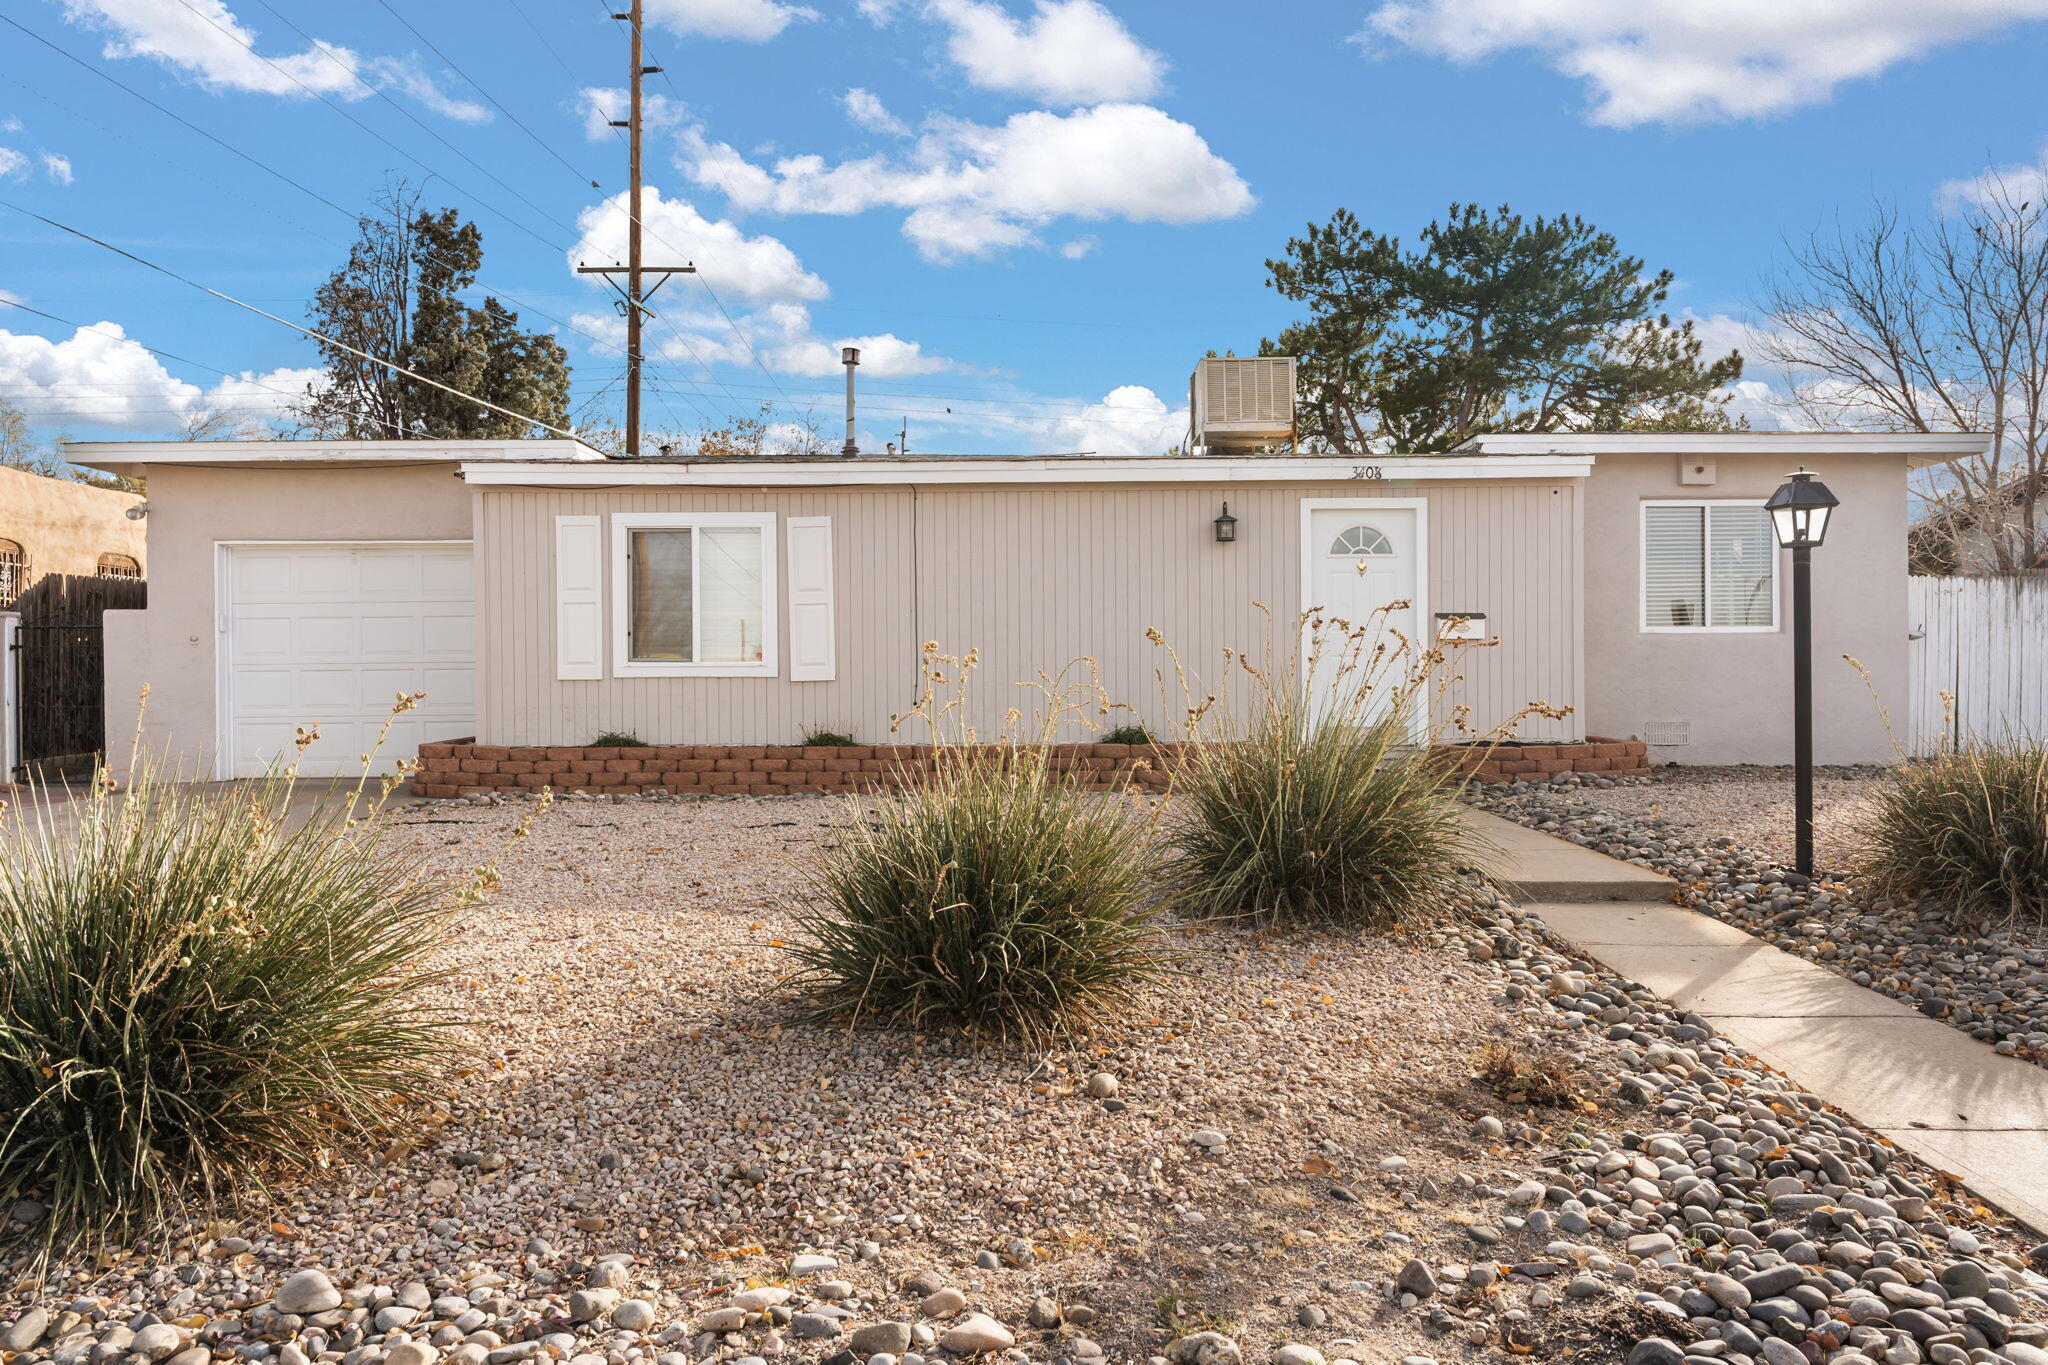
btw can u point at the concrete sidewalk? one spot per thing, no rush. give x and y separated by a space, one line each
1931 1089
1536 867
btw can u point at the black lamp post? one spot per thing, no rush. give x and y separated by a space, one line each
1799 513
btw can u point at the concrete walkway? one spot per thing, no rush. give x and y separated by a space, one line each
1536 867
1933 1090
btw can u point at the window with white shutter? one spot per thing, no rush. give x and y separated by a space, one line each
1709 566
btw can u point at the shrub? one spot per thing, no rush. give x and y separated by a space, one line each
1520 1074
199 988
617 739
834 739
1127 734
1305 803
989 893
1967 828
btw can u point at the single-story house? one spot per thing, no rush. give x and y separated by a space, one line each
540 594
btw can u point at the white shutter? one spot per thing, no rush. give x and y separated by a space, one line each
813 650
579 590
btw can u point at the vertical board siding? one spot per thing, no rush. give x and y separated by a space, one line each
1978 668
1032 578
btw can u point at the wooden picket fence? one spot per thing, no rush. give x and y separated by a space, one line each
1978 660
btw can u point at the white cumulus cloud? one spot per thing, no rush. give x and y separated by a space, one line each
754 269
1688 61
1068 52
58 168
744 21
973 190
882 356
100 375
1131 421
762 282
205 41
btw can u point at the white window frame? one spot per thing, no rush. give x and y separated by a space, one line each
1643 570
624 665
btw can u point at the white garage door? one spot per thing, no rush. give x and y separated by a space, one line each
329 635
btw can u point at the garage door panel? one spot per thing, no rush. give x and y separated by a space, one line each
388 576
259 637
325 576
447 687
266 691
331 636
392 636
324 633
450 637
446 578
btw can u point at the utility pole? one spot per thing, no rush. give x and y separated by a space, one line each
633 299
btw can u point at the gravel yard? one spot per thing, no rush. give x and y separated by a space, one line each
649 1163
1753 806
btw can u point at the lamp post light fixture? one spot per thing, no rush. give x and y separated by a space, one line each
1226 527
1799 514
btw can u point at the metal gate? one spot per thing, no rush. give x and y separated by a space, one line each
60 670
59 667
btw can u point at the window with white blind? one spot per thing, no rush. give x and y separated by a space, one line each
1709 566
693 594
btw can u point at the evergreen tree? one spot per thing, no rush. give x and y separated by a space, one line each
400 296
1493 323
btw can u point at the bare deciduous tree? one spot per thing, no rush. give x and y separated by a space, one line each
1894 326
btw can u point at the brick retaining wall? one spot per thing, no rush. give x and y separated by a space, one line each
460 767
1506 762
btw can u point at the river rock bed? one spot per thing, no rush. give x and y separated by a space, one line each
1991 983
1287 1157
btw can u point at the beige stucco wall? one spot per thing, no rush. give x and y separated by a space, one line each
172 645
1031 577
1735 689
65 527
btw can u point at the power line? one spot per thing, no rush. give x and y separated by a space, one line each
355 76
543 145
318 336
297 185
153 350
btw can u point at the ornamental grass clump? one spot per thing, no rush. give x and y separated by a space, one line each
1966 829
201 989
990 892
1306 791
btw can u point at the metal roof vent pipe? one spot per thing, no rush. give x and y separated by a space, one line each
850 357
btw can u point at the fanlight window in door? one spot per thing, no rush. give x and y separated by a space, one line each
1361 540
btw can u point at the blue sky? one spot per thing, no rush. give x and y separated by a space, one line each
1034 214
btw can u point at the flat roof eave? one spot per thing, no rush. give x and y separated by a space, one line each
106 454
1919 448
1365 471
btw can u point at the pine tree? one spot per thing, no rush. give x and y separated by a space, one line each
1493 323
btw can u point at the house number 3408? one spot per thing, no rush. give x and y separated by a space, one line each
1366 471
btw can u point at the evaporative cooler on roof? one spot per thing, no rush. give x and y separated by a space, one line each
1240 404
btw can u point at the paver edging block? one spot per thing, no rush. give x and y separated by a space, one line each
458 767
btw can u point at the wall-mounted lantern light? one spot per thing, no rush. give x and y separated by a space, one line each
1226 527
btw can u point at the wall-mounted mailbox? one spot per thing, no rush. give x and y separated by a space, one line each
1461 625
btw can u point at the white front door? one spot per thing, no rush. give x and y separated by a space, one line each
1360 560
329 635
